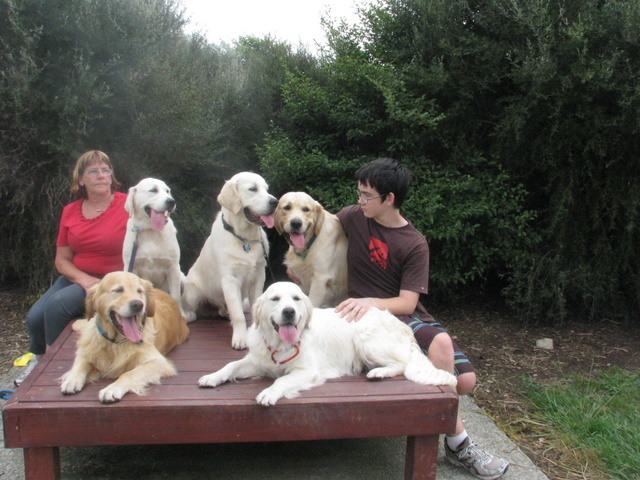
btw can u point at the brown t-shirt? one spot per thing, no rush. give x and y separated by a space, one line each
382 261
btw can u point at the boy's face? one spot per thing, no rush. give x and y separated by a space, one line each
371 202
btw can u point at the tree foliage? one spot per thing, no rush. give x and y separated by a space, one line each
123 77
366 106
518 118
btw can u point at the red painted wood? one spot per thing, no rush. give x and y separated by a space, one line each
421 459
39 418
42 463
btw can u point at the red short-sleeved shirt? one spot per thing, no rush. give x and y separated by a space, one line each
96 242
382 261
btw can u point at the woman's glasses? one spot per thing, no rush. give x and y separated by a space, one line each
94 172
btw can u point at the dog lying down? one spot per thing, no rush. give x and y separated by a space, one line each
130 326
302 347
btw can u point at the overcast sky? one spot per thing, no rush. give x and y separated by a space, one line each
294 21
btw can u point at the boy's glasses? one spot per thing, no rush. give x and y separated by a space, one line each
365 199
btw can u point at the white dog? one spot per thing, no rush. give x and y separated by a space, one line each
300 352
151 237
231 265
317 254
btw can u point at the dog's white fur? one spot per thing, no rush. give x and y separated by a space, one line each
231 266
328 347
317 253
158 255
135 365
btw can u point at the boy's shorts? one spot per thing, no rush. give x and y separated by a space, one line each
425 331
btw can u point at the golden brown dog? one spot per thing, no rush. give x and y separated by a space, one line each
317 254
130 326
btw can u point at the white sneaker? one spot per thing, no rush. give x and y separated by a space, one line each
476 461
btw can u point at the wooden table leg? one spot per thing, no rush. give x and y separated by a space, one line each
421 459
42 463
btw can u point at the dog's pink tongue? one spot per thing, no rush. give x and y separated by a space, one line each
297 239
267 220
130 329
287 333
157 220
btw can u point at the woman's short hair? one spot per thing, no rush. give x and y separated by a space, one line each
92 157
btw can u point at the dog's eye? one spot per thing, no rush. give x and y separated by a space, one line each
288 207
275 299
154 190
253 189
141 291
306 209
296 298
118 290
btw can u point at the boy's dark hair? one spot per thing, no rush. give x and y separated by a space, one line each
386 175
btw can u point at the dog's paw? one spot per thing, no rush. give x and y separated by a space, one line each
269 396
211 380
189 316
384 372
239 340
112 393
71 385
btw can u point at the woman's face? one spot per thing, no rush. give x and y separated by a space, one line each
96 178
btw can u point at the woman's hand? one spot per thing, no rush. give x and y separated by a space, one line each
65 267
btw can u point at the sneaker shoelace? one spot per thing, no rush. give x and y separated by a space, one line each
473 452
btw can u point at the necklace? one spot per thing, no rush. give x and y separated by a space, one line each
99 210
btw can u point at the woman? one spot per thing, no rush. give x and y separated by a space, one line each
89 245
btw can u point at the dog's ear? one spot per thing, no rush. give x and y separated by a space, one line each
89 302
150 293
307 306
229 197
319 219
129 204
277 219
257 311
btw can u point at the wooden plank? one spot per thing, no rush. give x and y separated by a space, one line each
243 421
39 418
42 463
421 460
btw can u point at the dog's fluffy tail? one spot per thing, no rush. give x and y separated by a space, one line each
421 370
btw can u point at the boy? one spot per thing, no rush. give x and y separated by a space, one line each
388 263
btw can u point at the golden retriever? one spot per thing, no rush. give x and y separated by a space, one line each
130 327
231 265
151 237
317 253
301 347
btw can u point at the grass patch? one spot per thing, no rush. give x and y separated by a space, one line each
600 414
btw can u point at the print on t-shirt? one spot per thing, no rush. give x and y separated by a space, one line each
378 252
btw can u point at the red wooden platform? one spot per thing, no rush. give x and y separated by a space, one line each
40 419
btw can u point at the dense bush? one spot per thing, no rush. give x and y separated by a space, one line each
518 118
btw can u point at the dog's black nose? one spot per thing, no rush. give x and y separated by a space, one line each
296 224
273 202
136 306
171 203
288 313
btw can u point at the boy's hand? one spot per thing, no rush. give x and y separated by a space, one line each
352 309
